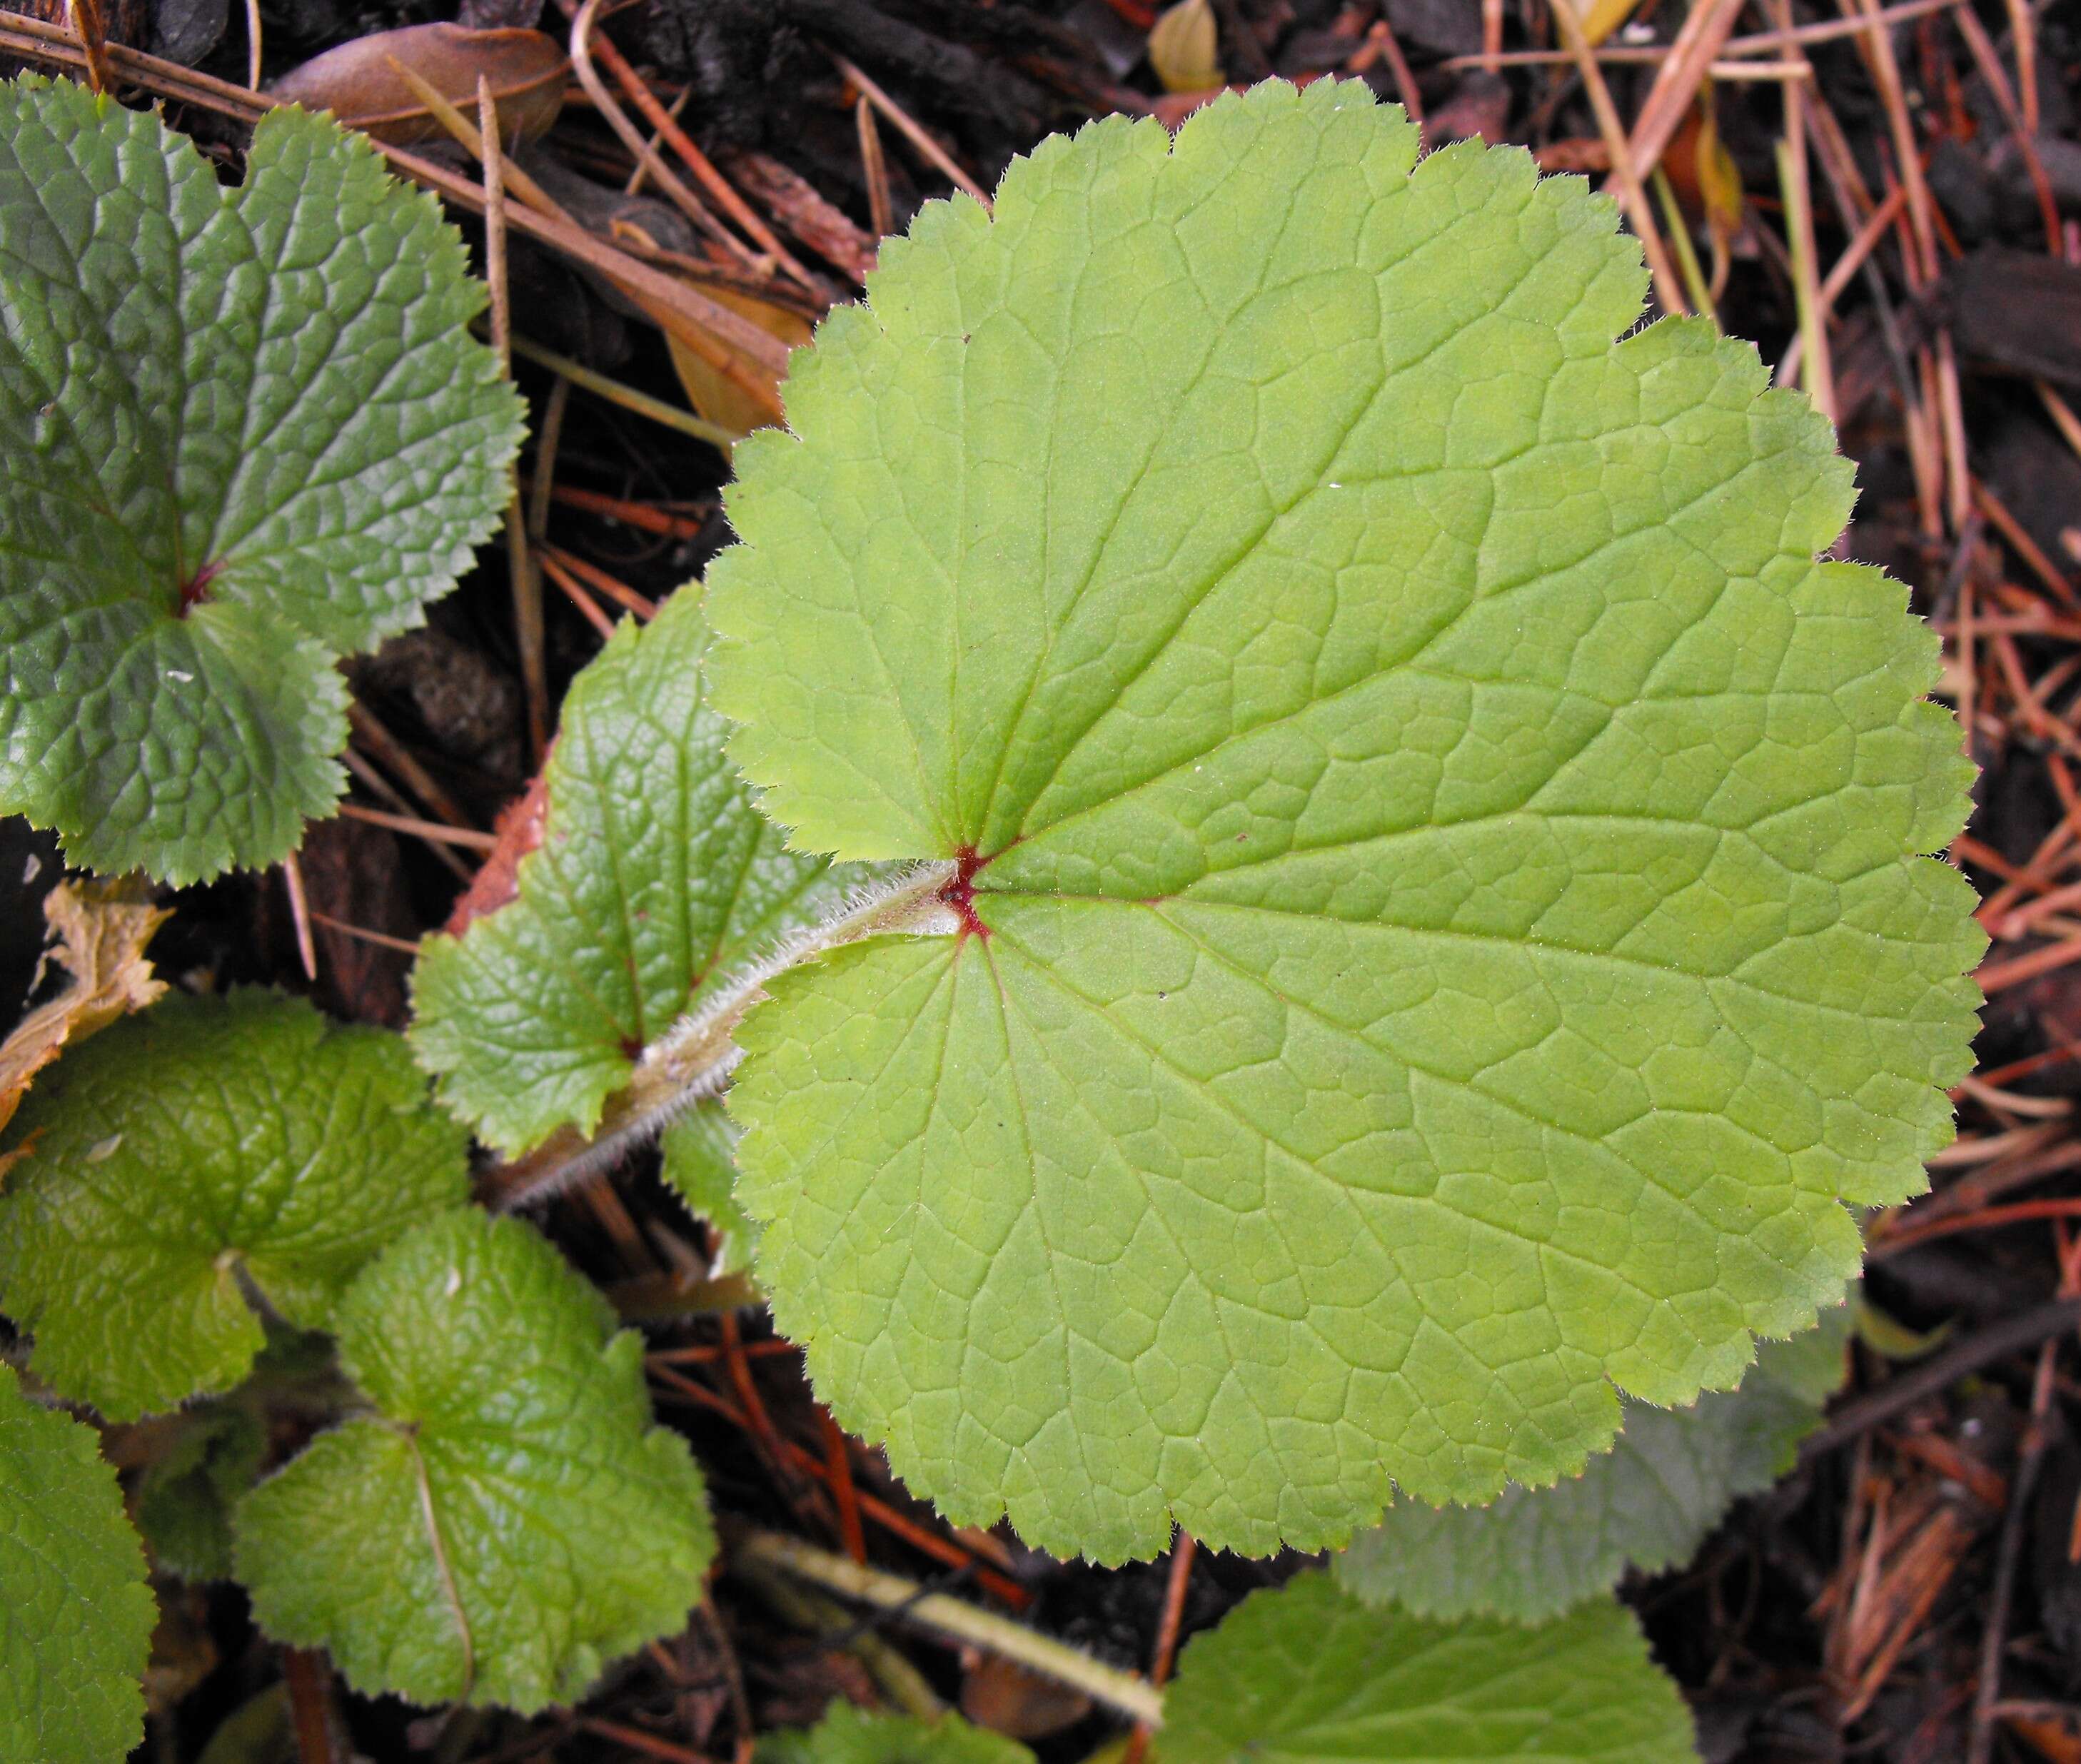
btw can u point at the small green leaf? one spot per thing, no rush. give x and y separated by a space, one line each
1302 1672
508 1522
75 1616
247 432
1435 931
1647 1504
848 1735
208 1143
185 1495
701 1164
655 874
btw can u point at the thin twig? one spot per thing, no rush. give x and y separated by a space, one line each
880 214
2023 31
637 1741
911 133
1168 1625
578 597
548 440
433 830
598 580
1996 1342
1763 43
640 175
525 586
361 933
632 137
300 915
367 775
837 1477
1631 196
1989 64
370 731
1705 29
698 163
2023 1485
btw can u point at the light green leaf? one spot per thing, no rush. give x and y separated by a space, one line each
1647 1504
183 1153
75 1616
1301 1673
185 1495
848 1735
508 1522
246 433
701 1164
1436 936
654 875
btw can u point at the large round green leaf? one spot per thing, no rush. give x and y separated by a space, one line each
1434 932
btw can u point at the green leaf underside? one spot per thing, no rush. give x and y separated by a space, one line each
203 1144
75 1616
572 1530
274 381
848 1735
1646 1505
1302 1672
654 872
1444 841
701 1166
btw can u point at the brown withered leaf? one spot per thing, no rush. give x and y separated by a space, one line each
98 937
359 85
1008 1699
721 400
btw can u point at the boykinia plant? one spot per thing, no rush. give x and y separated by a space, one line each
247 434
1425 932
1294 893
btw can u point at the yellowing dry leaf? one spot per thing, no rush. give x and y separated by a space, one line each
1184 48
98 937
1598 19
720 399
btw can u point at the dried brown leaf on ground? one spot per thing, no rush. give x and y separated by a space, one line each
98 935
714 396
360 84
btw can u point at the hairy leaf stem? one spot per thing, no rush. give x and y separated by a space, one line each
693 1059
